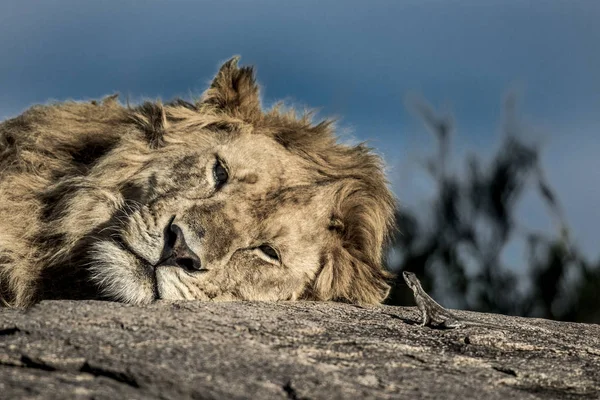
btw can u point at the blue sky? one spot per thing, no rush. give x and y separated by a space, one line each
358 60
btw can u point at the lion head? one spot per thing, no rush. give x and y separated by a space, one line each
212 200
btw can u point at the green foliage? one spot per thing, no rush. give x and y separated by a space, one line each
457 254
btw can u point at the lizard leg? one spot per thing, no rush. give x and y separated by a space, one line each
426 318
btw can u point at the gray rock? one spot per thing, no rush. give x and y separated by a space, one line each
302 350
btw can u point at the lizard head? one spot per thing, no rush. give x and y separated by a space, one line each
411 280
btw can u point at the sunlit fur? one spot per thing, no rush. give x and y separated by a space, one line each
88 189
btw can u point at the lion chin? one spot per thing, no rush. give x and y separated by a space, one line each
215 199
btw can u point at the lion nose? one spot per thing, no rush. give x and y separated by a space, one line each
177 252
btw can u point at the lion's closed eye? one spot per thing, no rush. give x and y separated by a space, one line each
270 252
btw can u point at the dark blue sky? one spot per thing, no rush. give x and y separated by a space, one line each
354 59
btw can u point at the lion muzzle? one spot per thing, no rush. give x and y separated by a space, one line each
176 251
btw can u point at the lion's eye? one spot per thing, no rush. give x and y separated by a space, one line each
269 251
220 174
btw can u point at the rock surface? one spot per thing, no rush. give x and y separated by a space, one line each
302 350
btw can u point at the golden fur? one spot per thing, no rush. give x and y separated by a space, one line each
90 193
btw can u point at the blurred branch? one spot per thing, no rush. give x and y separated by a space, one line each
476 214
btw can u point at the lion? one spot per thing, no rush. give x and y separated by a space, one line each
210 199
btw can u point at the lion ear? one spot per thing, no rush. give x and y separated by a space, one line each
234 91
346 278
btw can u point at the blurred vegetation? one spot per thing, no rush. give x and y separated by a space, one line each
457 252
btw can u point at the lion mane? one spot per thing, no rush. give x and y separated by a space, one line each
92 193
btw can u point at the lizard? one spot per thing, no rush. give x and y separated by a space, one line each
433 313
